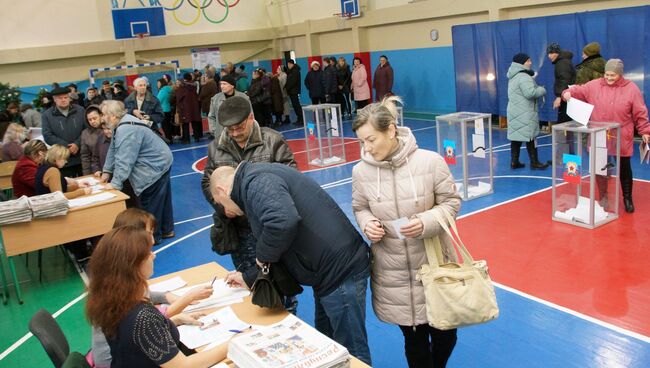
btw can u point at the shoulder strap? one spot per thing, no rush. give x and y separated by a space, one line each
129 123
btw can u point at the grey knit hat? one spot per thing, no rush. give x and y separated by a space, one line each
614 65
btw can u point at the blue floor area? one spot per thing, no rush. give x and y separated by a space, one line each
527 334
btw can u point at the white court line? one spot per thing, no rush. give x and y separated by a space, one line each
186 174
182 238
29 334
192 219
189 148
585 317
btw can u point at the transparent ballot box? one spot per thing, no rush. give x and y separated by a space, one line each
585 173
324 141
400 116
465 142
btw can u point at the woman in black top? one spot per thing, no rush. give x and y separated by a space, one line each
138 334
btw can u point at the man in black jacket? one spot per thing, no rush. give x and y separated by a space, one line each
565 75
243 140
298 224
62 124
293 89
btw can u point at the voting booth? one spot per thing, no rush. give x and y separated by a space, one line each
324 141
586 186
465 142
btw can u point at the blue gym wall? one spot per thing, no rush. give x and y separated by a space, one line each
489 47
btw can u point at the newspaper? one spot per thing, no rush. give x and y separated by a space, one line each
49 205
290 343
15 211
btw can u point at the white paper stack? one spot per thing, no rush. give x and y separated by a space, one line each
15 211
49 205
222 295
290 343
218 327
88 200
581 212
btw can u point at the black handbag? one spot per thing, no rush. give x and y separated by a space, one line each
265 293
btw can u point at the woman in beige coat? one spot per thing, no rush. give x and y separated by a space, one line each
396 180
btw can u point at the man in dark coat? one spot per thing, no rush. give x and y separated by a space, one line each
565 75
383 78
293 88
242 140
330 80
298 224
62 124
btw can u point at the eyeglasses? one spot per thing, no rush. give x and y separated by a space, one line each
236 127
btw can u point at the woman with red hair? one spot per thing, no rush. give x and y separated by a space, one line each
118 303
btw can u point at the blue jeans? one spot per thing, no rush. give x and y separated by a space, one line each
341 315
157 200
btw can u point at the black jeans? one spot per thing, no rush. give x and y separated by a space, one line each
295 103
317 100
428 347
167 126
562 116
344 100
360 104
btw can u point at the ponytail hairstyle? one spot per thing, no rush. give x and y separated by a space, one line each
379 114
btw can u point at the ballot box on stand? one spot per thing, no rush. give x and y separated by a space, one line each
586 186
324 141
465 142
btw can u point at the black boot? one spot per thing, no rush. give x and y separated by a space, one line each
534 161
626 186
514 156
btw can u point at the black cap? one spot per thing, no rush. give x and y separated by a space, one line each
233 111
520 58
60 91
93 107
106 81
553 48
291 61
228 78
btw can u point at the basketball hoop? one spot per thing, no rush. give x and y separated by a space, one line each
341 19
141 35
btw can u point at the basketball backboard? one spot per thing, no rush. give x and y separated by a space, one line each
130 23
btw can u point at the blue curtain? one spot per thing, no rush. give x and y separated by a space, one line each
486 49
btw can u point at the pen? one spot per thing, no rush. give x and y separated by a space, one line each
208 325
240 331
213 280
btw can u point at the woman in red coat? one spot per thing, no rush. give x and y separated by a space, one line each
24 177
187 105
617 100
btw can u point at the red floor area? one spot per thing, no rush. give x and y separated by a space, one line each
352 153
603 273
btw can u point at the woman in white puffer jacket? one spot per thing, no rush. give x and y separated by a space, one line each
397 180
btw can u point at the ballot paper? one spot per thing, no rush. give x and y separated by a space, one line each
397 224
334 126
168 285
218 327
579 111
478 126
222 294
580 213
85 201
478 145
644 152
90 181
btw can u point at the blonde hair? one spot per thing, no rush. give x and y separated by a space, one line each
33 147
15 133
379 114
57 152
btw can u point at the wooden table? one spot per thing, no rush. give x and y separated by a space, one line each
80 223
6 170
246 311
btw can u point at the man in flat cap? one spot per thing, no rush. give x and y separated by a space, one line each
62 124
242 140
227 86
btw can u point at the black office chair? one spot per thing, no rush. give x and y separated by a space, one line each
48 332
76 360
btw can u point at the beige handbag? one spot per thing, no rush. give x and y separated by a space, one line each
457 294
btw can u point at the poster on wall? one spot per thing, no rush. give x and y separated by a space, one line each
210 56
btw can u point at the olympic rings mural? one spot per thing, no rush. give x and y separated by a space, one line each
200 7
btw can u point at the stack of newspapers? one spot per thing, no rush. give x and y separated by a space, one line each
290 343
15 211
49 205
